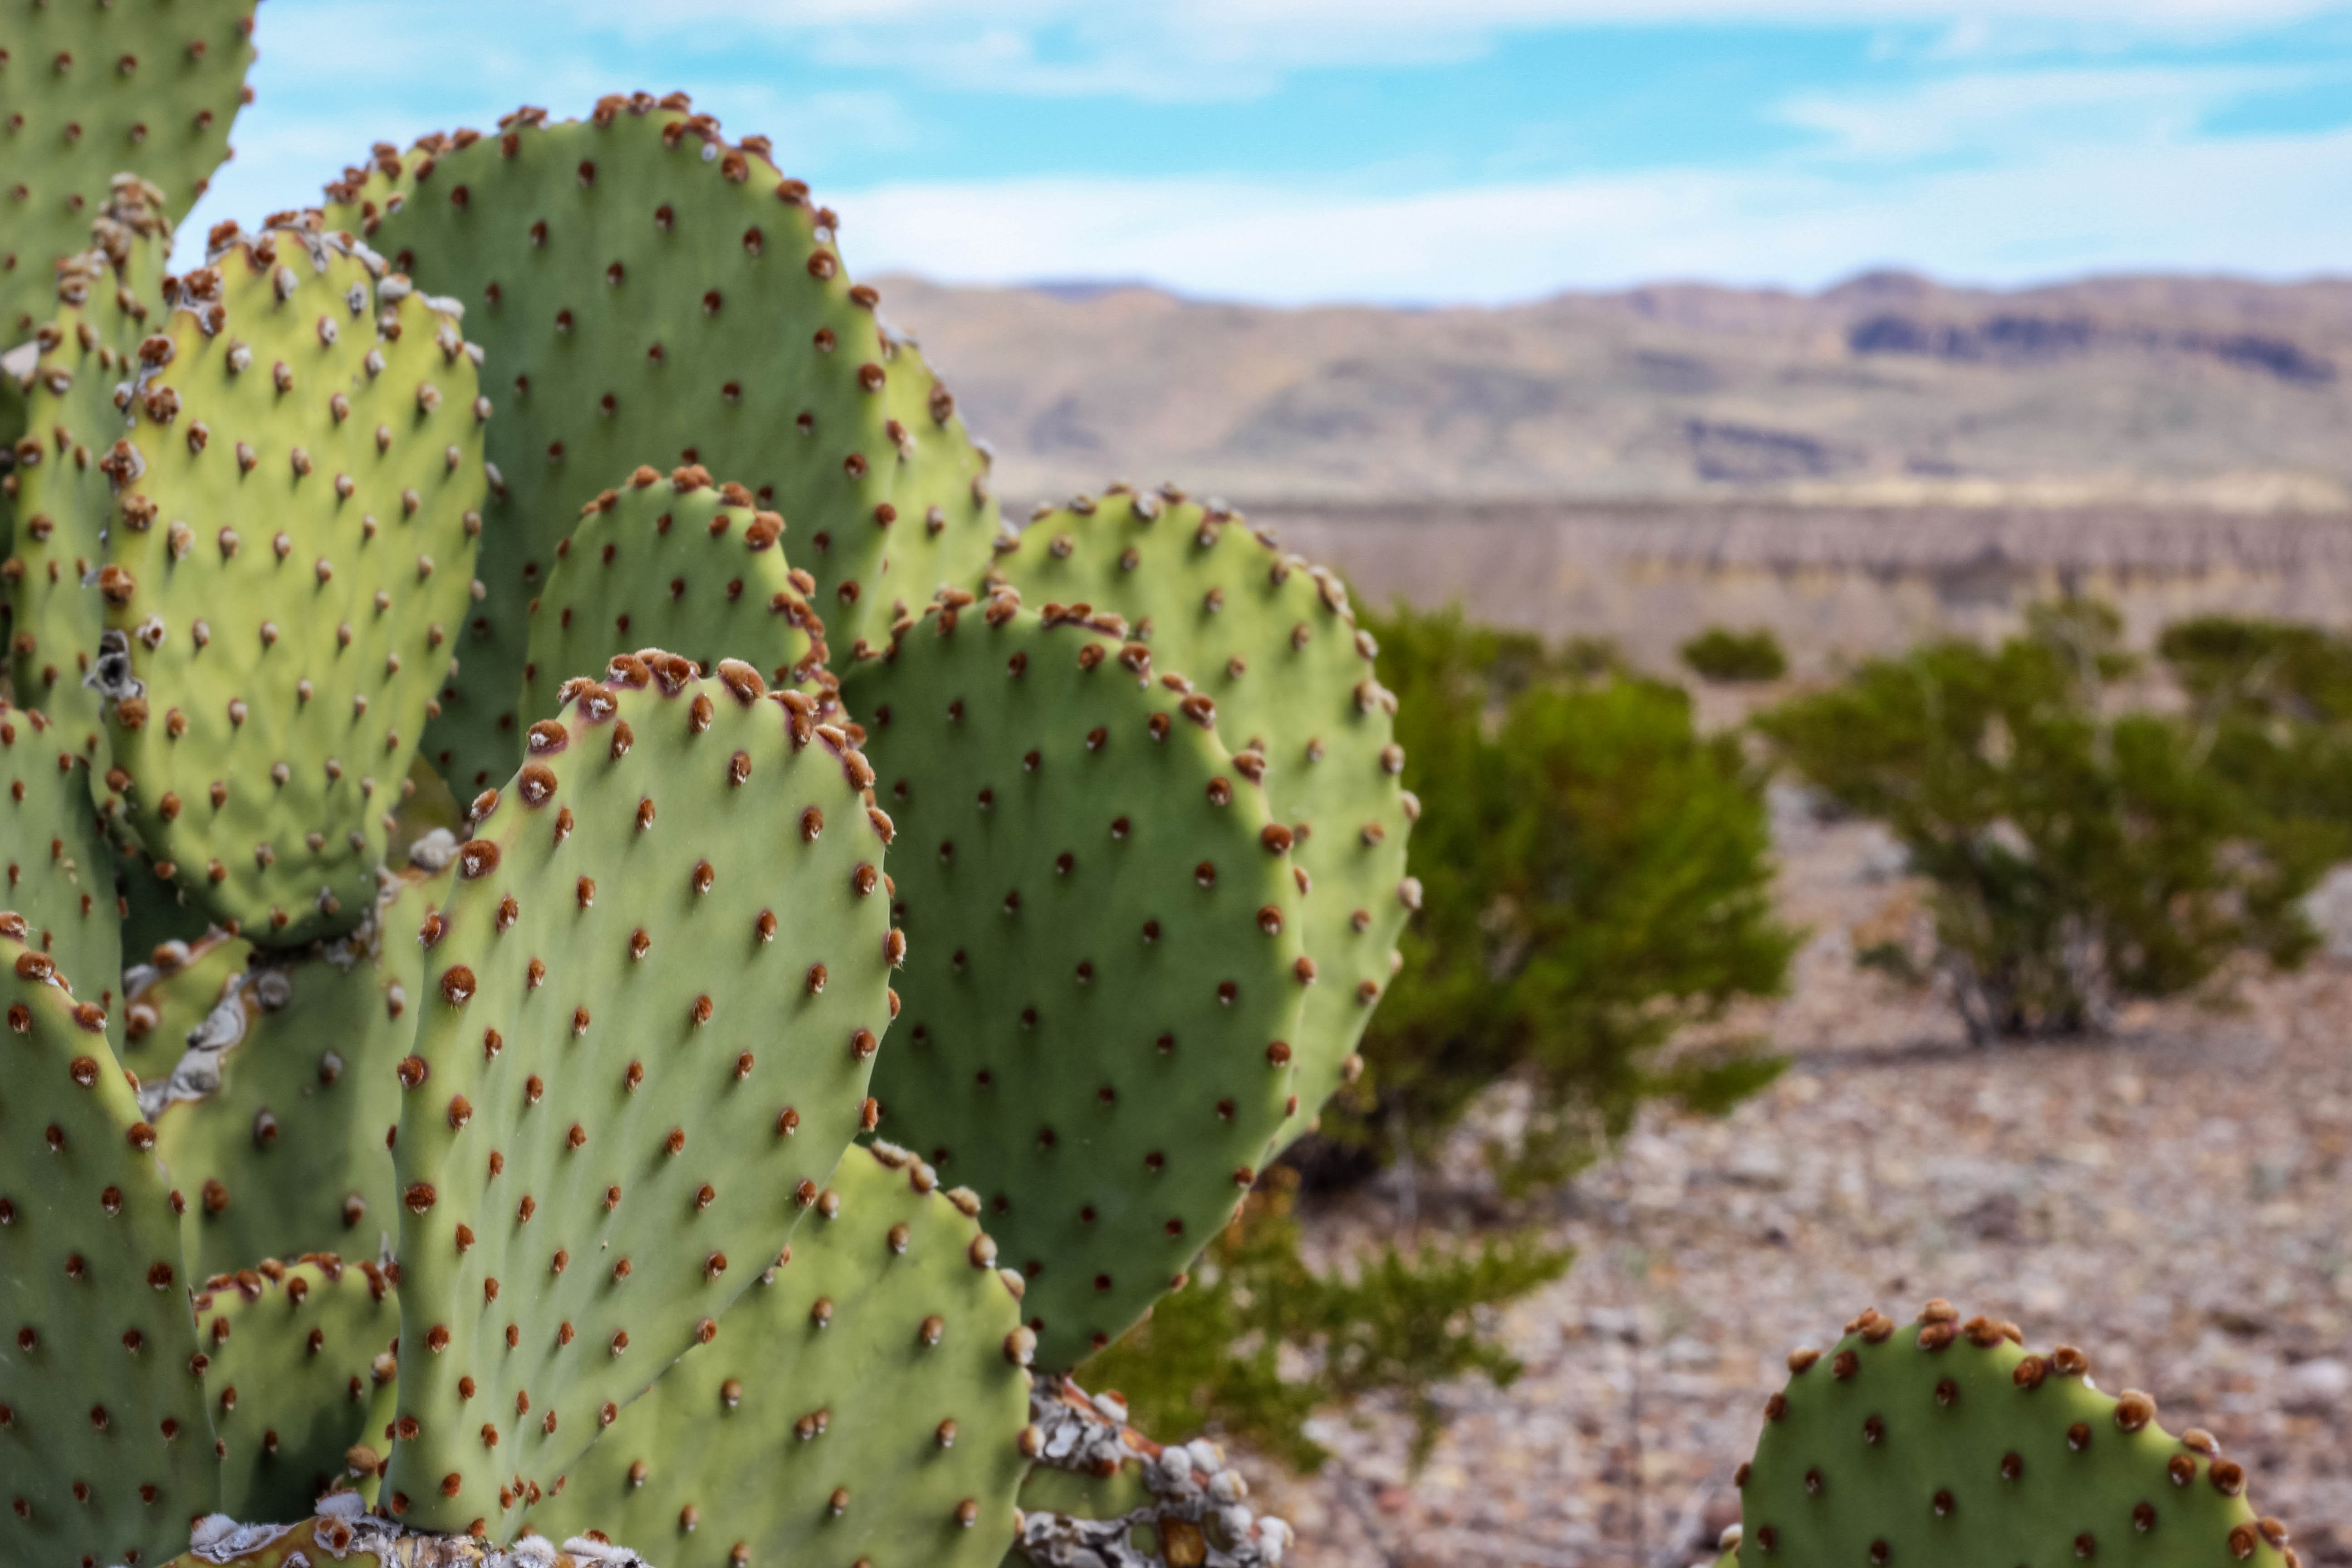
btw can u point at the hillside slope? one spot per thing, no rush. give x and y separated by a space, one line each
2204 392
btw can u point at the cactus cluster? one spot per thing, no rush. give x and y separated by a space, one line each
877 950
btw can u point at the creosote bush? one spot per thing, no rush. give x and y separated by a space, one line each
2075 855
1396 1325
1596 878
1721 653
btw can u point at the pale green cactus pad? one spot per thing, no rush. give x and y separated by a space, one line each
96 89
1272 640
651 1005
1104 973
274 1118
650 292
60 873
1946 1443
58 496
676 562
293 1354
290 547
103 1446
867 1403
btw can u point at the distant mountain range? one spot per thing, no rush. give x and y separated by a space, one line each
1891 387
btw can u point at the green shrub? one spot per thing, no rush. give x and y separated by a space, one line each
2075 855
1596 877
2262 670
1719 653
1211 1355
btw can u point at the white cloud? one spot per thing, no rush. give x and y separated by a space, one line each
2020 111
2274 206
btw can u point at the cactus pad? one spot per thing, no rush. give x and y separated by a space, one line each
103 1450
676 563
273 1118
149 86
60 873
58 497
651 1005
1272 640
293 1353
1945 1443
1104 973
650 293
867 1403
288 553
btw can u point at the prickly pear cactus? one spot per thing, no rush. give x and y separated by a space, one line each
275 1117
288 552
1105 970
641 1050
60 872
649 290
867 1403
103 1448
148 86
57 496
293 1352
1271 639
171 989
1943 1442
675 562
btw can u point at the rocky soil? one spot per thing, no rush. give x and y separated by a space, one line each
2177 1200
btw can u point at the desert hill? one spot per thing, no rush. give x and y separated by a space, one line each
2207 392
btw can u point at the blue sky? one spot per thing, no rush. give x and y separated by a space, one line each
1404 150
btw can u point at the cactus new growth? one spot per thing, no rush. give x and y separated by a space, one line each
174 990
866 1402
274 1119
639 1055
101 1428
675 562
647 288
60 872
1271 638
1948 1442
1104 973
150 86
264 679
293 1353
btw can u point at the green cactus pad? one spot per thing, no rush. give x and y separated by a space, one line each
169 990
1946 1444
673 562
292 1356
868 1404
60 874
273 1118
56 498
148 86
103 1450
650 293
1103 977
651 1005
1272 640
287 555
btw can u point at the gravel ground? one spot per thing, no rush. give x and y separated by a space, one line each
2177 1200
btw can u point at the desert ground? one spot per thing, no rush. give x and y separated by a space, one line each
2176 1200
